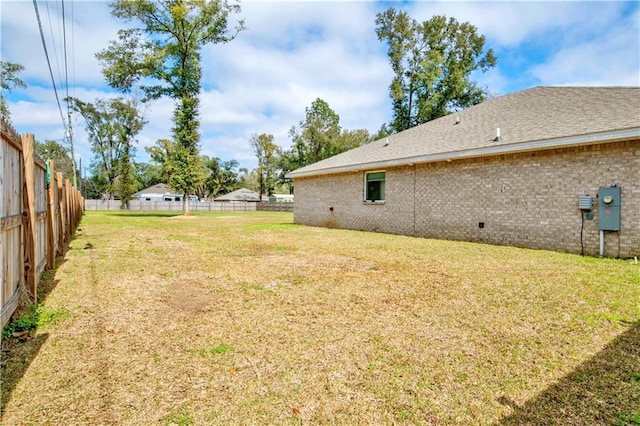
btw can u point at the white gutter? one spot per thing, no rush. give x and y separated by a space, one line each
570 141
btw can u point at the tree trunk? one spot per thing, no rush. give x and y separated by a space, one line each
261 185
185 205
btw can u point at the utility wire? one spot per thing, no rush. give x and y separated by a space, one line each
73 81
46 54
73 52
65 124
53 40
66 68
66 78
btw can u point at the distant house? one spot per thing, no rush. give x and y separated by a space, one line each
281 198
242 194
160 192
549 167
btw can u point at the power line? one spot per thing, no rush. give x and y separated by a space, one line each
53 39
46 54
73 51
66 68
66 78
67 130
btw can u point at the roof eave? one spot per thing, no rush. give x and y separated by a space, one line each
564 142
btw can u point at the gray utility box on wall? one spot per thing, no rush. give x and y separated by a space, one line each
585 202
609 208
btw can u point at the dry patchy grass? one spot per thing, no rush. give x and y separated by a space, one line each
249 319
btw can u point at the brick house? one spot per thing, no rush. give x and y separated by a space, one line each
522 170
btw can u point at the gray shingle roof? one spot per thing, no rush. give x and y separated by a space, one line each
160 188
537 118
242 194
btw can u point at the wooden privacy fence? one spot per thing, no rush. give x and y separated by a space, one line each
275 207
39 210
194 206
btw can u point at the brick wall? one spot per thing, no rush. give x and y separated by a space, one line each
526 200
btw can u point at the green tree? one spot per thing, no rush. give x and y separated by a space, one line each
251 180
432 62
160 154
245 179
165 50
112 126
8 81
318 137
384 131
286 163
169 157
222 177
350 139
268 154
127 180
94 187
62 161
148 174
59 154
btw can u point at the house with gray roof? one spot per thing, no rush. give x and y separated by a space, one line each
530 169
159 192
242 194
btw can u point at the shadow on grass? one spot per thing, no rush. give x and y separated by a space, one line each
17 356
134 213
604 390
18 352
48 282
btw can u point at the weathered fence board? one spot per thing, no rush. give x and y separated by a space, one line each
29 222
276 207
11 212
37 217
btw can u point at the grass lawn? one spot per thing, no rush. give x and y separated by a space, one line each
245 318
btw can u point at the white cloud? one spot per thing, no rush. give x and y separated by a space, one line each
89 29
609 59
508 24
551 43
36 115
291 54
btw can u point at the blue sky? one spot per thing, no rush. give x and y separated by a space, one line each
296 51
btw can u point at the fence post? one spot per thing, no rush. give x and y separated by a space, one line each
67 216
29 214
51 217
78 206
61 214
72 201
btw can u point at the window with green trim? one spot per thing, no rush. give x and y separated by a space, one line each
374 186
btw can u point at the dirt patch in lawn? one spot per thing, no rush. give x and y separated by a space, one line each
187 297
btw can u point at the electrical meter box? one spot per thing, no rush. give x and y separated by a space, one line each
609 208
